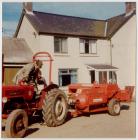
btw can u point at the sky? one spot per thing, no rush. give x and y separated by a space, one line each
11 12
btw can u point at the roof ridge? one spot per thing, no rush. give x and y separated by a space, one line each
69 16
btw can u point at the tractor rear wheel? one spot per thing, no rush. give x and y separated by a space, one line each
16 124
55 108
114 107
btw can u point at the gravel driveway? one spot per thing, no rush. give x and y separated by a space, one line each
99 125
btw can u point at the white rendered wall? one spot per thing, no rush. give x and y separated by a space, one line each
124 53
27 32
73 59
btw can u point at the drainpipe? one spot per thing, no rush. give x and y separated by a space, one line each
105 34
110 52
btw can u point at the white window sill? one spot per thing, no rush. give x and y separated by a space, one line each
89 55
61 54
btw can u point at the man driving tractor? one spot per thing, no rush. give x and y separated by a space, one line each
30 74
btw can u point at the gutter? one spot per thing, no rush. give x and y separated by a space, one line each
72 35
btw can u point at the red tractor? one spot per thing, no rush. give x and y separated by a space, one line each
86 98
19 102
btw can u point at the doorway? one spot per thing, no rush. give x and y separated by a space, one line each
92 73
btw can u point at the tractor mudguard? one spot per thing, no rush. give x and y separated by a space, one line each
44 93
51 86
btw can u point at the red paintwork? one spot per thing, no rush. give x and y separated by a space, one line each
4 116
25 91
23 95
40 103
94 97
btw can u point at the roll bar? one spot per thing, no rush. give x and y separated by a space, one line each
45 57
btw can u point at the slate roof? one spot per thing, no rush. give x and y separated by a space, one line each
115 23
16 51
47 23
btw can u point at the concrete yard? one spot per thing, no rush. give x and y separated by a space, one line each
96 126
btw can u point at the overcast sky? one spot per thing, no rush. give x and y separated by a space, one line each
96 10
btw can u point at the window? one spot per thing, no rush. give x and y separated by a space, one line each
67 76
112 77
88 46
60 45
102 77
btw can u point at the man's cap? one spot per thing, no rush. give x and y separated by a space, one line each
39 63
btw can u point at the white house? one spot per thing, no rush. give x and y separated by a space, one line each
84 50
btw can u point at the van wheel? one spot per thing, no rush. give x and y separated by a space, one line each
16 124
114 107
55 108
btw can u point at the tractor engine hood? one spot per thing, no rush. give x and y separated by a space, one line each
25 91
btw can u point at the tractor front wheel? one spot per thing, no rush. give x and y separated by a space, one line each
55 108
114 107
16 124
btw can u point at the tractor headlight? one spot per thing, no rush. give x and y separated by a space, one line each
4 99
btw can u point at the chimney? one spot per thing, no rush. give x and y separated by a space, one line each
130 7
27 6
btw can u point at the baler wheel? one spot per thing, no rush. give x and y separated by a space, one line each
55 108
114 107
16 124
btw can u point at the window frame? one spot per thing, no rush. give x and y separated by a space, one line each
61 46
67 72
90 42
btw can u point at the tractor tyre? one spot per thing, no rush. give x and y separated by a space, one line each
114 107
16 124
55 108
